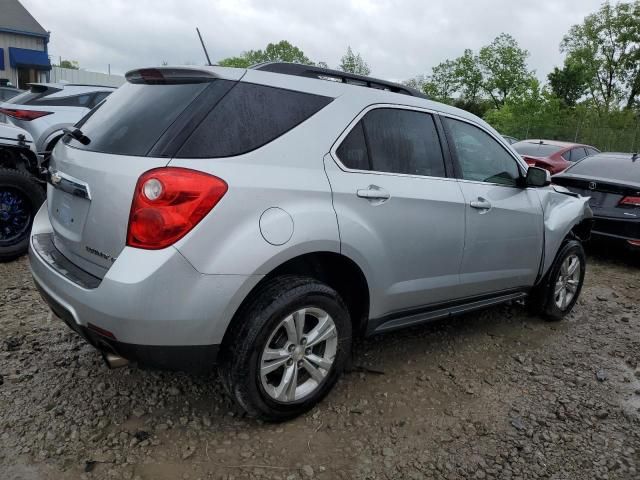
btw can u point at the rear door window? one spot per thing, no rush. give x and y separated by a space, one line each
248 117
394 141
352 152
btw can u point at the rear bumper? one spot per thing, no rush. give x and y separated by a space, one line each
185 358
623 229
151 306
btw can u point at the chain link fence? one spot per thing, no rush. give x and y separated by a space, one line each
606 139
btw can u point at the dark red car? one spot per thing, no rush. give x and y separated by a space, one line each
551 155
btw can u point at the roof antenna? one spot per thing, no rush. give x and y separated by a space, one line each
204 48
634 157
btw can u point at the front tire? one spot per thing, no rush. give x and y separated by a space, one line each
20 198
557 294
287 348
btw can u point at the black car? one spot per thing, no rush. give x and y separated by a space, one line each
612 180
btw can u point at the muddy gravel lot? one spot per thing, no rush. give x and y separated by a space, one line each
495 394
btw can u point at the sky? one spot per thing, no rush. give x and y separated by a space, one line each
398 39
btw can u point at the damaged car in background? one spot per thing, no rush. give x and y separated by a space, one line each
260 219
612 183
21 190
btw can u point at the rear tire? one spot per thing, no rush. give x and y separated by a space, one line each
558 292
20 198
287 348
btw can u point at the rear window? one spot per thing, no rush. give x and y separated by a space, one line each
82 100
620 168
248 117
34 93
535 149
133 118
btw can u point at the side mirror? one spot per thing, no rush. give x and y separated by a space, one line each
538 177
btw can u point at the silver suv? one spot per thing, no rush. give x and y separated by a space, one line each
260 219
47 108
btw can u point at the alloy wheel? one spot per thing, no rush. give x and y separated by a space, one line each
15 216
298 355
568 281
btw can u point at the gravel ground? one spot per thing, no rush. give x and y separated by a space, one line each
496 394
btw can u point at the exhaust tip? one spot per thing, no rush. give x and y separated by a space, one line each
115 361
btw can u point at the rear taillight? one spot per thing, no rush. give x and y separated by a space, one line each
26 115
168 202
630 201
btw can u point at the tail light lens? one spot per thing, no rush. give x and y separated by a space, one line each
26 115
630 201
168 202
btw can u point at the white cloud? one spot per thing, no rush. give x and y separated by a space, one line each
398 39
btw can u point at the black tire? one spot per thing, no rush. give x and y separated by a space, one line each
542 300
23 188
253 328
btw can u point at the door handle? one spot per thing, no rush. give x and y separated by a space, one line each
481 204
373 192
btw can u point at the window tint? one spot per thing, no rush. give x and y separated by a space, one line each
7 93
608 167
133 117
577 154
482 158
535 149
71 101
352 152
35 92
403 141
98 98
591 151
248 117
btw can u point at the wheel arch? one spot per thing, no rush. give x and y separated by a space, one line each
334 269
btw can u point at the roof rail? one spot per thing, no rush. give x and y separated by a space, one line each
320 73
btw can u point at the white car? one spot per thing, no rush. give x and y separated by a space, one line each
47 108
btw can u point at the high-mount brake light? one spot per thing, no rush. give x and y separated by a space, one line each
168 202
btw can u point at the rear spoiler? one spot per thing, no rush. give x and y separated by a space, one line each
170 76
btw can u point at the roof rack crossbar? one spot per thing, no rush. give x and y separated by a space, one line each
311 71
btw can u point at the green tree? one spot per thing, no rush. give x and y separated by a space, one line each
443 83
504 68
569 83
354 63
606 44
469 76
283 51
72 64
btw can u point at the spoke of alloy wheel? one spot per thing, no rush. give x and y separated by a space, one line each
324 330
272 366
290 326
572 285
319 361
561 299
559 287
316 373
565 266
286 391
573 266
275 354
299 318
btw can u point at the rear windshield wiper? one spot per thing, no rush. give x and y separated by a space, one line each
77 134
